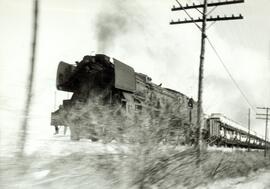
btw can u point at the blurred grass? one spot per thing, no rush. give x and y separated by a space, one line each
141 168
147 161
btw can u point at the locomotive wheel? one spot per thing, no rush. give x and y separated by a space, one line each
74 132
90 132
93 139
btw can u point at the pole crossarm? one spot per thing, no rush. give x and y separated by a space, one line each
262 114
210 19
262 118
262 108
209 5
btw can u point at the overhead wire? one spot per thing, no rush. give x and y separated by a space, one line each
191 20
230 75
220 59
189 16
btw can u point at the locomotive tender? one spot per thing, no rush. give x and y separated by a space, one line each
116 83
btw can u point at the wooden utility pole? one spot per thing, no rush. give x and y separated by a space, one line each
266 118
249 130
24 126
200 83
204 19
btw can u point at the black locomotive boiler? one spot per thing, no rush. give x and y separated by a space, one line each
118 85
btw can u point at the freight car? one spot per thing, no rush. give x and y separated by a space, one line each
117 84
223 131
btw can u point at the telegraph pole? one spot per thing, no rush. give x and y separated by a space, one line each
204 19
24 126
249 130
266 118
200 84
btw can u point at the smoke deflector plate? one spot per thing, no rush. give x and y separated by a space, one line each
64 72
124 76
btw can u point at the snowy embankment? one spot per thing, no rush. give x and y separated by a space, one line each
48 144
61 145
256 180
55 162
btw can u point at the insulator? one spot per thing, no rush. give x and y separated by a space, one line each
173 6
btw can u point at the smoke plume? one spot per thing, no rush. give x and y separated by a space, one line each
112 22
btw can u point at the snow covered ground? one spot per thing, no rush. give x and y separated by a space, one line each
256 180
61 145
54 161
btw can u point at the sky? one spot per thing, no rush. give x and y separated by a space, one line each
137 33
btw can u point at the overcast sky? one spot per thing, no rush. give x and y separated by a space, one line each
137 33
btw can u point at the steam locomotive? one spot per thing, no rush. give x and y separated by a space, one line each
118 85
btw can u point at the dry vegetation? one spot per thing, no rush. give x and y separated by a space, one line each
148 162
140 168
